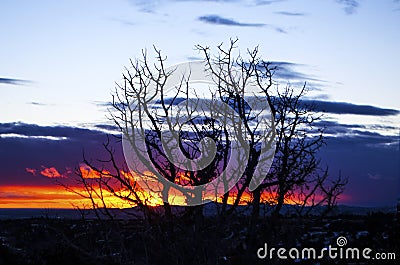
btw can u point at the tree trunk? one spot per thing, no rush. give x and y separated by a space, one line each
256 205
281 200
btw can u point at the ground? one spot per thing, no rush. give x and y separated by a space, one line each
183 241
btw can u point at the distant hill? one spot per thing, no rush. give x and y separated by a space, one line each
210 209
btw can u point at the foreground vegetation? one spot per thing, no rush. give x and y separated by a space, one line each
185 240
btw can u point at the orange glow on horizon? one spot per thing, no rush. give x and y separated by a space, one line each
37 197
58 197
55 196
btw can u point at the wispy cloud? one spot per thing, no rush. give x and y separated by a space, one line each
39 137
349 108
349 6
370 134
374 176
280 30
397 8
325 106
286 71
31 170
218 20
123 21
36 103
225 1
33 131
108 128
267 2
150 6
13 81
292 14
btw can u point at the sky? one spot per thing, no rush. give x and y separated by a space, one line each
60 61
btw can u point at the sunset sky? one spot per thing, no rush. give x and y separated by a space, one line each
60 61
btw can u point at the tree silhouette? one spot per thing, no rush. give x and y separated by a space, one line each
143 102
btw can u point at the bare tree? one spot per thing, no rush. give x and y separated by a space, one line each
266 129
232 88
144 103
296 168
145 108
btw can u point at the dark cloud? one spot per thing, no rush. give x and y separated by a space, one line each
320 97
292 14
362 156
359 162
217 20
102 103
349 108
374 176
71 133
13 81
384 127
333 127
285 70
280 30
267 2
194 58
108 104
365 139
150 6
397 8
225 1
288 72
349 6
22 156
36 103
123 21
364 134
325 106
107 127
359 157
369 159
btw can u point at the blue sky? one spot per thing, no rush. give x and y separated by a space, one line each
72 52
61 59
